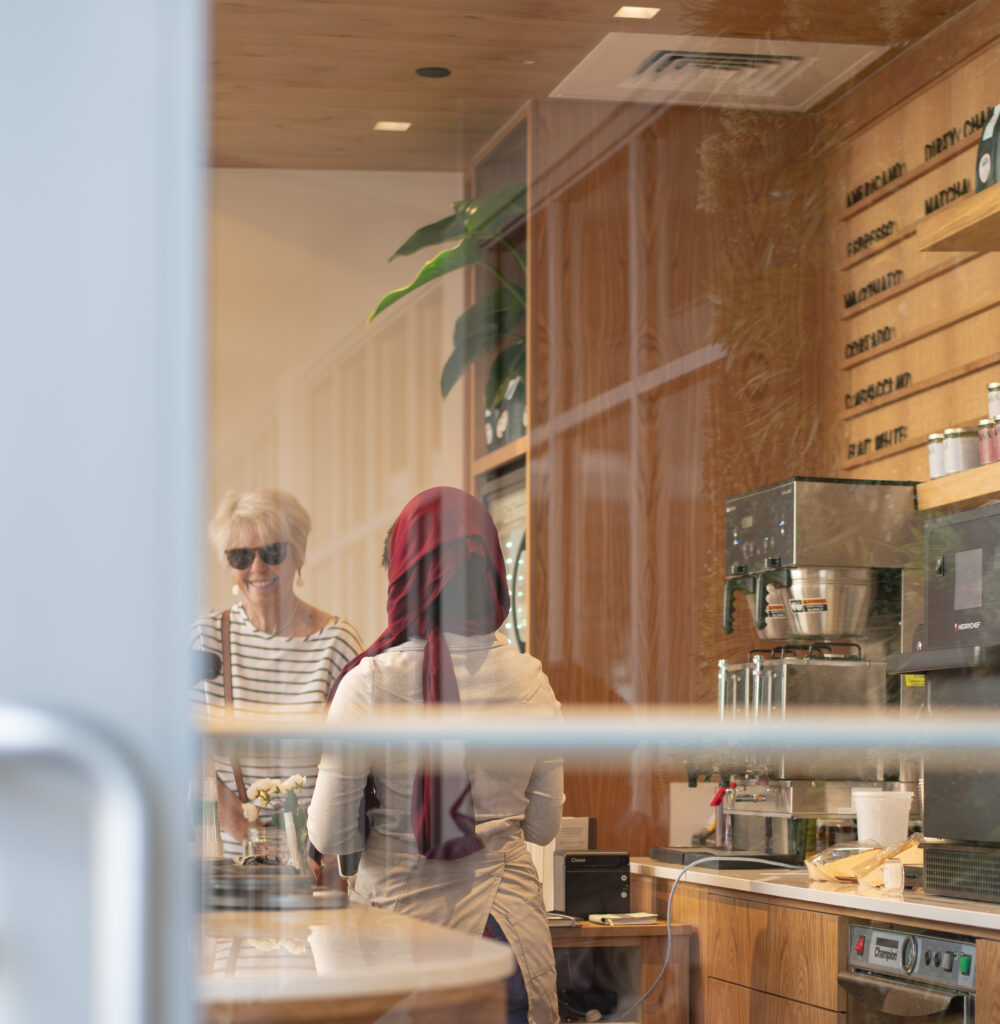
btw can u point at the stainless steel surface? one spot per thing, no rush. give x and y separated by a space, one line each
834 552
809 521
780 836
798 798
908 974
775 613
121 835
765 689
828 603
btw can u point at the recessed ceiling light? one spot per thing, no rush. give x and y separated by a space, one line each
392 126
637 12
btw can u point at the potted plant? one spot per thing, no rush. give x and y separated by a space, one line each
495 322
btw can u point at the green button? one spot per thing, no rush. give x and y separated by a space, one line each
964 963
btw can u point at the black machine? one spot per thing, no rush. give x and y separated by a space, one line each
591 882
957 652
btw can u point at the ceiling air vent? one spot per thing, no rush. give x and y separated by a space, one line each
705 71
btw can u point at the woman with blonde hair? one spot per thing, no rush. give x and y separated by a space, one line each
277 653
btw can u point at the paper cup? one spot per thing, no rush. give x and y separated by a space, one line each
883 815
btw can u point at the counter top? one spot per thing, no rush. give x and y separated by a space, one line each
355 951
794 883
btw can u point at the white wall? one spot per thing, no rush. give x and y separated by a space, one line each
304 394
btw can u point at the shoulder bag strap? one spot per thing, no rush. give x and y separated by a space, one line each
227 683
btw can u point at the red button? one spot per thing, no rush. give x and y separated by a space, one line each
859 946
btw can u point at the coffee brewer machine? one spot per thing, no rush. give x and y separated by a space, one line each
823 564
954 657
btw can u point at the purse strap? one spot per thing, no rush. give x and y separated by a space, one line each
227 684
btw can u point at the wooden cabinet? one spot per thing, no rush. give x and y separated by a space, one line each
774 949
728 1003
754 960
767 960
668 1002
987 981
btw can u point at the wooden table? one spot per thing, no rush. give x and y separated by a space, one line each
668 1003
353 965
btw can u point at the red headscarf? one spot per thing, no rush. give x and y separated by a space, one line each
436 536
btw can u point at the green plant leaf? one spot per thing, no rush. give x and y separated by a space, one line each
462 255
480 328
440 231
484 214
510 362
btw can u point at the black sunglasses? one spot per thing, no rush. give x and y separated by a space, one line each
270 554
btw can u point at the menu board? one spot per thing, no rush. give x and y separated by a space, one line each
917 333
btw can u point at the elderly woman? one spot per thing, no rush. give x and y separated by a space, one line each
278 654
448 848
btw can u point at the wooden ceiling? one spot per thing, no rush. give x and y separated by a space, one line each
300 83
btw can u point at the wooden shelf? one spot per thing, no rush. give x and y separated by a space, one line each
500 456
973 486
970 225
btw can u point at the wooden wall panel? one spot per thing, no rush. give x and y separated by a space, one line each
675 243
916 338
636 387
615 457
937 53
689 340
954 101
949 300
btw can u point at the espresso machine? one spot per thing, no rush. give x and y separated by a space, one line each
954 656
823 564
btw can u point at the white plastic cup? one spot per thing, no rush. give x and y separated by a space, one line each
883 815
893 876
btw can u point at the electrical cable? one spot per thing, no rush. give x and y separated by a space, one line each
670 899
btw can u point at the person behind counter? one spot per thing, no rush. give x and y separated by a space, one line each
448 849
284 654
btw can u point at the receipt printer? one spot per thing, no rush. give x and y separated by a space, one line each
589 882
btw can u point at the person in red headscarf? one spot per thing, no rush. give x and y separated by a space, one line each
448 847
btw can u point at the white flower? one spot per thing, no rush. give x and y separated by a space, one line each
489 432
502 423
263 790
250 811
292 783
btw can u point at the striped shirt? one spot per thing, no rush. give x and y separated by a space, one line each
271 675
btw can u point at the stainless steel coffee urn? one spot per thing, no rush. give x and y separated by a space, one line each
823 563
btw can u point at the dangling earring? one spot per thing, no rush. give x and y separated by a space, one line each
299 581
236 590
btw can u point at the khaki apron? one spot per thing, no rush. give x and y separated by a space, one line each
500 880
